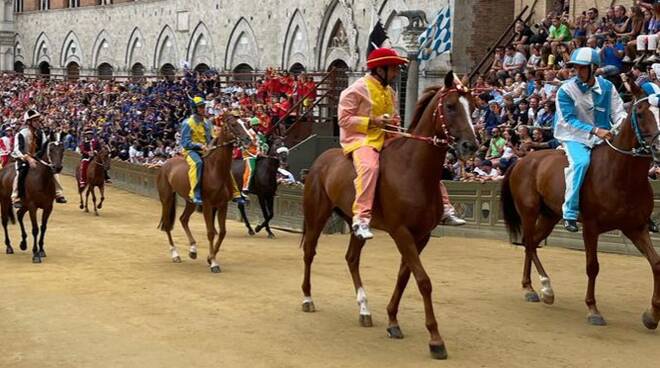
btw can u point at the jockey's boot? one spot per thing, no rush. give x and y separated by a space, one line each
60 199
653 227
18 204
571 225
452 220
362 231
240 200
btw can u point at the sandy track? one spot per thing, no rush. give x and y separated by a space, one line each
109 296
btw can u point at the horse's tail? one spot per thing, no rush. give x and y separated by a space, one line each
168 202
511 215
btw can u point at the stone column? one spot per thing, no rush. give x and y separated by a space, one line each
410 35
7 37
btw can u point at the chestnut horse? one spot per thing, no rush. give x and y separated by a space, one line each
216 191
616 194
407 204
39 194
95 178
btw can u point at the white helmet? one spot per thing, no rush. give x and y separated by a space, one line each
30 114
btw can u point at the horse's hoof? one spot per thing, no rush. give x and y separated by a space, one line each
87 210
438 351
96 213
532 297
251 232
308 307
10 250
258 228
192 255
365 320
23 245
548 299
42 254
100 206
36 259
176 259
271 236
81 206
394 332
215 269
596 320
649 321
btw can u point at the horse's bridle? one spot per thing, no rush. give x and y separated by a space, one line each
645 149
438 113
236 142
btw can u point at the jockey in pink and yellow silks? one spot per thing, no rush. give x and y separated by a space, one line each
364 109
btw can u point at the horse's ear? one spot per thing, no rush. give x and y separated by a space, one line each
631 86
449 79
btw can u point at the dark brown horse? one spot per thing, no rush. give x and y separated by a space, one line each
264 185
216 191
99 164
616 194
39 194
407 203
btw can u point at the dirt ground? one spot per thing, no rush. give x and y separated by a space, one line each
108 295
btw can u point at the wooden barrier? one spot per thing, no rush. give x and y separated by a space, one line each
477 203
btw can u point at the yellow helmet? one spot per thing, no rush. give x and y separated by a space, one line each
198 101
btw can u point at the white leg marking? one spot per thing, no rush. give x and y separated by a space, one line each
214 264
173 252
307 299
193 248
362 302
546 288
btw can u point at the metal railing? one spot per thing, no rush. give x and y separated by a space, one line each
506 35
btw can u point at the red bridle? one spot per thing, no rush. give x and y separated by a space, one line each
438 113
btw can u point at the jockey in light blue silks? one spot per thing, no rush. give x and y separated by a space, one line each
588 107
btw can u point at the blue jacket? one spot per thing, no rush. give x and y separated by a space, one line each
195 133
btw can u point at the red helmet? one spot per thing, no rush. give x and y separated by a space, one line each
384 57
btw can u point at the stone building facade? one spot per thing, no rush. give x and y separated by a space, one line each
126 37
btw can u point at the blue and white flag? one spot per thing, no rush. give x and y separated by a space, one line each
436 40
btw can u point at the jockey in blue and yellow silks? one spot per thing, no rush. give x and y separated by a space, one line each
588 107
196 135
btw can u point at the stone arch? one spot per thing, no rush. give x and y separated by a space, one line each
72 70
165 51
393 24
42 50
337 13
71 50
200 47
101 52
242 47
19 67
296 42
105 71
135 49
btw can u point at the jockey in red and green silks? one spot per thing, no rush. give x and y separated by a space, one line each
251 153
196 135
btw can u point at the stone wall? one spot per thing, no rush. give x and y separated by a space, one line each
226 34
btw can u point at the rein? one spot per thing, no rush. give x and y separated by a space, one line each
645 150
438 113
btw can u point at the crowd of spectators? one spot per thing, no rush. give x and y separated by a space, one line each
139 120
516 96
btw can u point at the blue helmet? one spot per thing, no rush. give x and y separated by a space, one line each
585 56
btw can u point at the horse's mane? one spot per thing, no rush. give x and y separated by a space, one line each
427 97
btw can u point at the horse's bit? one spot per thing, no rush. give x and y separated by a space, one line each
645 150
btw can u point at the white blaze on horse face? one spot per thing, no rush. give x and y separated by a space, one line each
466 107
362 302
